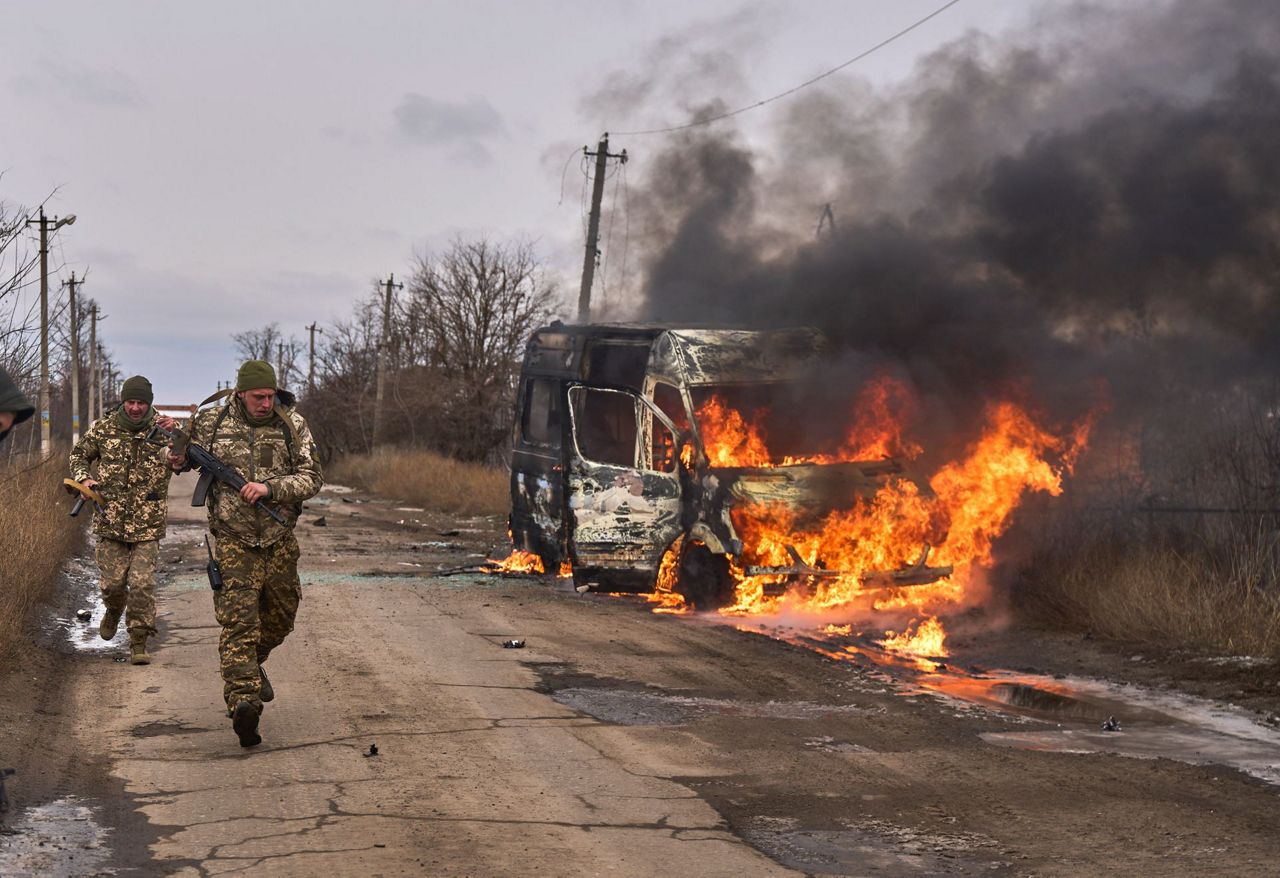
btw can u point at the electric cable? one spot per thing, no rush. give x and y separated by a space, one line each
821 76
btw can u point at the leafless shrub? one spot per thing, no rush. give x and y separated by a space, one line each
1184 551
36 537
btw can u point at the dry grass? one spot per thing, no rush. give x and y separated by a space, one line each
36 537
427 479
1223 599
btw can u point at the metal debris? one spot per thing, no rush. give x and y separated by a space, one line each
373 751
513 644
320 522
1111 724
84 615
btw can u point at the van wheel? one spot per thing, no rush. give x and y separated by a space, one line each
550 556
704 579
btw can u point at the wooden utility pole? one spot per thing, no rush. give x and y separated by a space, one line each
44 223
602 156
384 355
311 367
109 392
75 356
94 392
280 376
101 382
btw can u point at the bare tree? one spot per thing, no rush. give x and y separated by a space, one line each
471 309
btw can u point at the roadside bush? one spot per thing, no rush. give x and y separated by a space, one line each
1175 542
1168 591
427 479
36 538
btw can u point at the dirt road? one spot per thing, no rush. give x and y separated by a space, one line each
615 742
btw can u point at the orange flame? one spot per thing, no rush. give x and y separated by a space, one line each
928 639
519 561
664 593
973 504
566 570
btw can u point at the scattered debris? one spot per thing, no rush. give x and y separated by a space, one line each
4 797
582 587
448 533
320 522
1111 724
84 615
513 644
347 500
373 751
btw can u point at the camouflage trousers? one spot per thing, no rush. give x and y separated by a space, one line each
128 581
255 607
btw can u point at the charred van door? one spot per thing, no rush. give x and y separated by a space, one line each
537 470
624 490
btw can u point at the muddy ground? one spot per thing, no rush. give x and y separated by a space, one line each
616 741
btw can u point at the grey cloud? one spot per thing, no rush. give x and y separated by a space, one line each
107 88
427 120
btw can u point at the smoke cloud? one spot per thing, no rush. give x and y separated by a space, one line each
1087 209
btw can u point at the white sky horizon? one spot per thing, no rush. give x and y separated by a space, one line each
243 164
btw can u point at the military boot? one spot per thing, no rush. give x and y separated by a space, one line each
265 692
138 648
110 622
244 721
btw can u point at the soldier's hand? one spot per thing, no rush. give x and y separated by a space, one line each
177 461
166 422
252 492
90 483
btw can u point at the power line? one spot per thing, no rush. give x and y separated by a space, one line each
821 76
563 172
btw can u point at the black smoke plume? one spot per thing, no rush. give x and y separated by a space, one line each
1085 209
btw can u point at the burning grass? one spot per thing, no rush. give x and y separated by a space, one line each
428 479
36 537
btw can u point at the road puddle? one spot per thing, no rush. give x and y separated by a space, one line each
80 629
57 840
1064 714
872 848
630 707
1139 723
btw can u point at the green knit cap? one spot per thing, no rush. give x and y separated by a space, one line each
137 388
12 400
255 375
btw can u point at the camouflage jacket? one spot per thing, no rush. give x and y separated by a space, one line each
133 477
282 459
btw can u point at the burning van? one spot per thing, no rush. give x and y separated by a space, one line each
629 466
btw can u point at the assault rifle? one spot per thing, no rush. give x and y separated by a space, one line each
211 469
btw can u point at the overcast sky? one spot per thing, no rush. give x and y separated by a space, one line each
238 163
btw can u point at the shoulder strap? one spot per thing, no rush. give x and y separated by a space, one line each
217 422
291 438
221 394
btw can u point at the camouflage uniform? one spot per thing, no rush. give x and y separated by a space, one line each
133 477
258 556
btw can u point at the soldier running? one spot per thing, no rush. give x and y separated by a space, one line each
259 434
133 478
